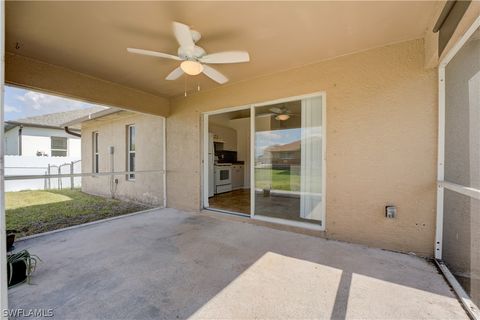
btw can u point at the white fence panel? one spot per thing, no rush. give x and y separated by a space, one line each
32 165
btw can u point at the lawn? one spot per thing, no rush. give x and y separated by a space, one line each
31 212
277 179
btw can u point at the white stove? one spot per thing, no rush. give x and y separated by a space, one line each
223 177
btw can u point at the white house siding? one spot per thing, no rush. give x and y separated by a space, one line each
147 187
35 139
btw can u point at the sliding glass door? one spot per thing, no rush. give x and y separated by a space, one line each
289 166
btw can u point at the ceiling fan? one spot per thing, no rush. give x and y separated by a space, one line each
194 58
280 113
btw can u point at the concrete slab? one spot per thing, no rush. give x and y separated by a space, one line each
169 264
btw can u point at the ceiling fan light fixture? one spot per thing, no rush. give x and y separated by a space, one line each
191 67
282 117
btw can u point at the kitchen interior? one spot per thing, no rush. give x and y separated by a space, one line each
229 161
288 161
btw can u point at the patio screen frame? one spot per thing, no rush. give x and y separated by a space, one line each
441 183
470 307
204 161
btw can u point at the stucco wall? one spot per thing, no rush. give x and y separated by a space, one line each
147 187
381 142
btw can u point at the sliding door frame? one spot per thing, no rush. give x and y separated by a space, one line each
205 177
305 225
252 107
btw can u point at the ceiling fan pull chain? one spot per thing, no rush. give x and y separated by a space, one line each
185 85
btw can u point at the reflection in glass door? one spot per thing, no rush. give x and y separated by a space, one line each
289 161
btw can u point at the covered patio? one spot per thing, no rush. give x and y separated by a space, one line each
169 264
385 179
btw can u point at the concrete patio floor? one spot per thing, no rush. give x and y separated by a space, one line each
168 264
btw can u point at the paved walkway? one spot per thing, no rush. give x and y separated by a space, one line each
167 264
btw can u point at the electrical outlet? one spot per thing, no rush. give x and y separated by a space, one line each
390 212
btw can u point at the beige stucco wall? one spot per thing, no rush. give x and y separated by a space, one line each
147 187
381 142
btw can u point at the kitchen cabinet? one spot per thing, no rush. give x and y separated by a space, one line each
237 176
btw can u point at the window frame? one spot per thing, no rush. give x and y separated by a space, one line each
57 149
130 151
95 152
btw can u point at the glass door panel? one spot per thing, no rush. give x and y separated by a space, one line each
288 160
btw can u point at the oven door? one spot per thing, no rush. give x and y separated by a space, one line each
223 175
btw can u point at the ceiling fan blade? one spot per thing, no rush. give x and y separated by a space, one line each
214 74
153 53
226 57
175 74
183 35
276 110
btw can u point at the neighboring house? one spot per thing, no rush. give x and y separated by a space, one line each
284 155
44 135
115 140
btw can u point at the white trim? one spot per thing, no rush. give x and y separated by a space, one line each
440 162
288 99
3 244
324 160
91 116
252 161
454 50
466 191
441 139
467 303
324 143
291 223
164 165
204 179
131 177
95 152
205 176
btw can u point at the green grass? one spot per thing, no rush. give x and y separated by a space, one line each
31 212
279 180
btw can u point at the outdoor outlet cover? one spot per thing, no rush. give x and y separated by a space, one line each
390 212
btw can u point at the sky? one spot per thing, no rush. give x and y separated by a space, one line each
21 103
265 139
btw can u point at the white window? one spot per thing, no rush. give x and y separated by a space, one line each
58 146
95 152
131 151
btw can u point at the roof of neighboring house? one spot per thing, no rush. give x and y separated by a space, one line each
99 114
54 120
292 146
